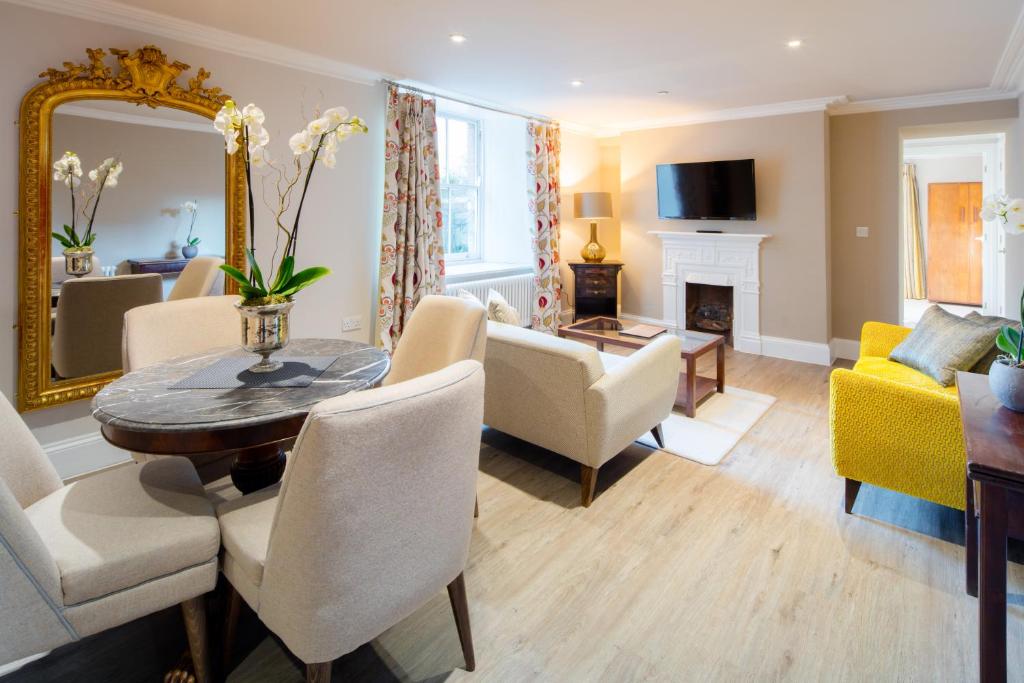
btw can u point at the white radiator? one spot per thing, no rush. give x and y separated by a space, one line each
517 290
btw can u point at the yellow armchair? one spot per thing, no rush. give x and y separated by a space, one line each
894 427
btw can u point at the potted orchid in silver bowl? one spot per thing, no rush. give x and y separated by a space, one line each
78 250
1006 376
191 246
267 295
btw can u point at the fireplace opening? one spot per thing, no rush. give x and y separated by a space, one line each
709 309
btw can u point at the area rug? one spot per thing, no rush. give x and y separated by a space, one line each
721 422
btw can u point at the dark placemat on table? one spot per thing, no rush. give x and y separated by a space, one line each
233 373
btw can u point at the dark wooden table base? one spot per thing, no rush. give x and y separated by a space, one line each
259 467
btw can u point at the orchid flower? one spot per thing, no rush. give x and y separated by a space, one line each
68 169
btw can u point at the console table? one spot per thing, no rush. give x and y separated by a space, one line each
595 289
162 266
994 438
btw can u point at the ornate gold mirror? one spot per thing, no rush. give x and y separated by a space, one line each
143 185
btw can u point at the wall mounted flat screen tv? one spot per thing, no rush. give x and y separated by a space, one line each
709 190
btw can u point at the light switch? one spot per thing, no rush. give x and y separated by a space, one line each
862 231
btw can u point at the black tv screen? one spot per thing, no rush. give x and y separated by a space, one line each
709 190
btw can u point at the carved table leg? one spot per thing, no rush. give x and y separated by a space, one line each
258 467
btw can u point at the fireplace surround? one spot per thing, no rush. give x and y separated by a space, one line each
721 260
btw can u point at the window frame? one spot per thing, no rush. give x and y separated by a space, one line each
476 256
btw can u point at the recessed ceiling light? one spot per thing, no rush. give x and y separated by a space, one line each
457 38
795 43
576 83
663 92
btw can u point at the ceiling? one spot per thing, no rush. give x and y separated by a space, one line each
710 56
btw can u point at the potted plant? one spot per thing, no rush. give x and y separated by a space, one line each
1006 376
68 170
191 247
267 296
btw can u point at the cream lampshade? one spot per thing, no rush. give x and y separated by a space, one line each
593 206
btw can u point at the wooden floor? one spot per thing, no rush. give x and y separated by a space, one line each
744 571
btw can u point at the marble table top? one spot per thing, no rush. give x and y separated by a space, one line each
141 400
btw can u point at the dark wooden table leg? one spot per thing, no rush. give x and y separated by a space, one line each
971 541
691 386
992 597
258 467
721 369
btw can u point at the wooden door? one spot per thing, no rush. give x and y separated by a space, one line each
954 243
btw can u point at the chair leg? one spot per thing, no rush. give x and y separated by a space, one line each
476 507
588 482
234 604
460 608
852 489
194 611
659 437
319 672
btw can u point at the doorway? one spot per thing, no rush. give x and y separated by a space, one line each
951 257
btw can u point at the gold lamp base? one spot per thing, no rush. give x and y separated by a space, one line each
592 251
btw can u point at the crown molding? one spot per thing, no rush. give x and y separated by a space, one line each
938 99
88 112
753 112
1009 74
126 16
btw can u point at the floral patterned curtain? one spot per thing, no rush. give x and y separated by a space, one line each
544 147
411 250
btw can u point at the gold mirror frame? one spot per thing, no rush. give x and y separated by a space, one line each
144 77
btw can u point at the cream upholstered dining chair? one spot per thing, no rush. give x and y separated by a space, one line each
90 316
167 329
197 278
79 559
371 519
442 330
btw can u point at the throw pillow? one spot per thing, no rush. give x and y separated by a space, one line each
468 296
500 310
995 322
943 343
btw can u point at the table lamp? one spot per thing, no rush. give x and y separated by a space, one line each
592 206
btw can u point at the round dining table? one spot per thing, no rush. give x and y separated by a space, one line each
140 412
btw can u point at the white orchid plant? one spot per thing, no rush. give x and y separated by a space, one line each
243 131
191 207
68 170
1010 212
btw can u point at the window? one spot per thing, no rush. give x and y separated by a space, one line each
458 141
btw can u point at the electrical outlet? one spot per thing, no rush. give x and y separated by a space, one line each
353 322
863 231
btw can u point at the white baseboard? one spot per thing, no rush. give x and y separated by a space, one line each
83 454
11 667
796 349
845 348
648 321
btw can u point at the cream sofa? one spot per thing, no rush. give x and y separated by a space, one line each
568 398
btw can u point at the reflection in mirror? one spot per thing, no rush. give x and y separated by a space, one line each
162 205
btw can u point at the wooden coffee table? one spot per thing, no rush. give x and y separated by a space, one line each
693 388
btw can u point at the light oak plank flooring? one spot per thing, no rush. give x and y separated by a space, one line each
745 571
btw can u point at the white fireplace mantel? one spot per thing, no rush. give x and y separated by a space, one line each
727 259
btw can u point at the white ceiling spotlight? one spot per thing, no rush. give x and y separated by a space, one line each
576 83
457 38
795 43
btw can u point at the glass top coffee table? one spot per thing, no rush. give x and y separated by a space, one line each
693 388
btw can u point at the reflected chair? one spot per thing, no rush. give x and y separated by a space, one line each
442 330
118 545
371 520
90 317
197 279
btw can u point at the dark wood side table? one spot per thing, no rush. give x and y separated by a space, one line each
595 289
994 438
163 266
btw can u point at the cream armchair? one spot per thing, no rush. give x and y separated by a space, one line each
79 559
570 399
372 519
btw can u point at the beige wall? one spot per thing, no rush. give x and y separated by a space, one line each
865 158
341 218
790 154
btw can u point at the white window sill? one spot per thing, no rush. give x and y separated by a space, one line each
457 273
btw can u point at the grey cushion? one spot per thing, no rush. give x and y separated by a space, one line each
995 322
943 343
